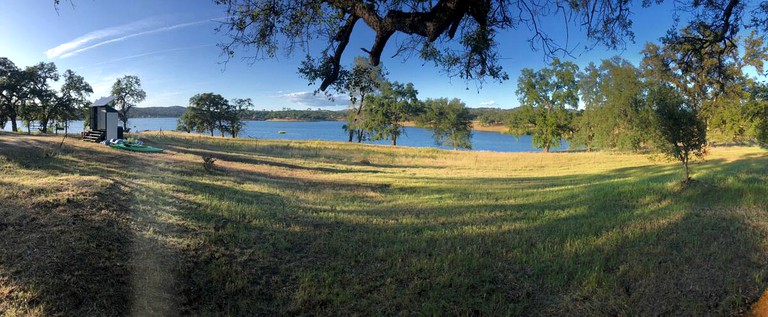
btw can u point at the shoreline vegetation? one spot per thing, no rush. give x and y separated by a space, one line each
319 115
278 227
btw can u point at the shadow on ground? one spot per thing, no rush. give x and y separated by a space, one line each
625 242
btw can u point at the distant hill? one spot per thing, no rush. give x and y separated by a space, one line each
157 112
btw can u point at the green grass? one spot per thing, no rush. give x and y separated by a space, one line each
323 228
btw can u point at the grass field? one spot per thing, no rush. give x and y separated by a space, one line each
322 228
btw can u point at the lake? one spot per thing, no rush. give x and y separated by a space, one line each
332 131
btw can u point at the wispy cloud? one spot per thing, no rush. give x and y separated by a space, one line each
114 34
489 103
151 53
311 100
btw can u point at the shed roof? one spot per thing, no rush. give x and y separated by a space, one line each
104 101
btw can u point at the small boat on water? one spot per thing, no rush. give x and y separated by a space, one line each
280 132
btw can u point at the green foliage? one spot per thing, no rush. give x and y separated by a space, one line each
457 36
204 113
290 114
709 75
12 91
449 121
209 112
682 134
757 112
127 92
490 116
544 96
615 115
362 80
235 113
385 112
73 99
41 104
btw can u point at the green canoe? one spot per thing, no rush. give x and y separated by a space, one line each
136 148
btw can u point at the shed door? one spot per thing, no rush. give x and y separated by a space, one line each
93 120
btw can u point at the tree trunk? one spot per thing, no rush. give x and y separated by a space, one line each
44 126
14 126
394 140
357 116
351 135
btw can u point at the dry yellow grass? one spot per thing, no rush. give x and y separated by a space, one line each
303 227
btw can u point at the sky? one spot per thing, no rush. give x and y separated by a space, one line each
171 46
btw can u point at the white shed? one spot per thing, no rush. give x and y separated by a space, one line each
103 119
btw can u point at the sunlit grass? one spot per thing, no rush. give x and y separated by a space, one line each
331 228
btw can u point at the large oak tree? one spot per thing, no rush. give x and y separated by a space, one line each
457 35
545 96
127 92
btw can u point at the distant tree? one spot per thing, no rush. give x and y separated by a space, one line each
361 81
41 104
490 116
757 112
707 75
386 111
545 96
238 108
449 121
682 133
127 92
584 125
14 88
187 122
615 114
207 112
73 97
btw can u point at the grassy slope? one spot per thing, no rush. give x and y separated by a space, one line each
304 227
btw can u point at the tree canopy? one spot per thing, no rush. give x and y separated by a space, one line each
457 35
545 96
449 121
682 134
127 92
386 112
209 112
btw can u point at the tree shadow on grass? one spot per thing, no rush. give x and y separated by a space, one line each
622 242
632 245
68 256
682 254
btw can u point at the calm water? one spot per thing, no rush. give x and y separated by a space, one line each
331 131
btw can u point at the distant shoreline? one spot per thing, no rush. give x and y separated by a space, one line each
475 124
475 127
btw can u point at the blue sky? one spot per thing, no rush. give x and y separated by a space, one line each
171 46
